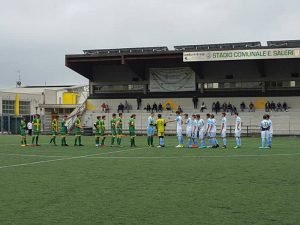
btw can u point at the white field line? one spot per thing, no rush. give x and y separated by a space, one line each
70 158
29 155
198 156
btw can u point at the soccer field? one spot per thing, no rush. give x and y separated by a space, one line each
169 186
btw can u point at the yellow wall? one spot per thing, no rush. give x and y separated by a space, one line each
17 105
70 98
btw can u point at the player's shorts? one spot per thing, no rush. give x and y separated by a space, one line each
23 133
201 134
264 134
160 134
119 131
223 134
113 132
188 132
212 134
35 132
150 131
131 132
77 131
237 133
54 133
194 134
179 132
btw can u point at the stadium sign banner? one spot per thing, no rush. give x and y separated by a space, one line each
279 53
172 79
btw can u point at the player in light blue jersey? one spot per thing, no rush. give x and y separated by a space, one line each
223 129
194 131
238 130
188 123
208 130
150 129
213 131
270 134
265 127
179 123
201 131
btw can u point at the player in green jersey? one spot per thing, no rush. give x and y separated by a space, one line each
36 129
78 131
64 131
102 130
131 125
113 129
119 126
97 134
23 132
54 130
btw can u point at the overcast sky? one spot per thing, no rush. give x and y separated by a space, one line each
35 35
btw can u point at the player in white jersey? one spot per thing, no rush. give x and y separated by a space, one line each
194 130
270 134
150 129
238 130
201 131
179 123
213 131
208 130
223 129
265 127
188 123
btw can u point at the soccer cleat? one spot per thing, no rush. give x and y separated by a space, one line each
97 145
81 145
23 145
179 146
158 146
224 146
202 147
217 146
261 147
236 147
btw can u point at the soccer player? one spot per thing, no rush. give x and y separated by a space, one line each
64 131
119 126
179 123
78 131
223 129
265 127
97 134
54 130
113 122
23 132
208 130
188 122
238 130
160 126
150 130
194 130
213 131
270 135
102 130
131 125
201 128
36 129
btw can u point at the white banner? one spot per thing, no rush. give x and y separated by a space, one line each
279 53
172 79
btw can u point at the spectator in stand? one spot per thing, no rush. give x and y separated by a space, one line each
148 107
224 107
267 106
154 107
234 110
213 107
168 107
251 107
285 106
126 106
273 106
103 106
139 102
203 106
107 109
179 109
279 107
229 107
160 108
242 106
195 102
217 107
120 108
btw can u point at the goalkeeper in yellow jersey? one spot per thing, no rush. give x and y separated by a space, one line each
36 129
160 126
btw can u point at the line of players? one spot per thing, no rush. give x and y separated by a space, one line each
196 128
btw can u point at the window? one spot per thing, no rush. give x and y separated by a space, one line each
24 108
8 107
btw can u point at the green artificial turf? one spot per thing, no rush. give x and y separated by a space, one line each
169 186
